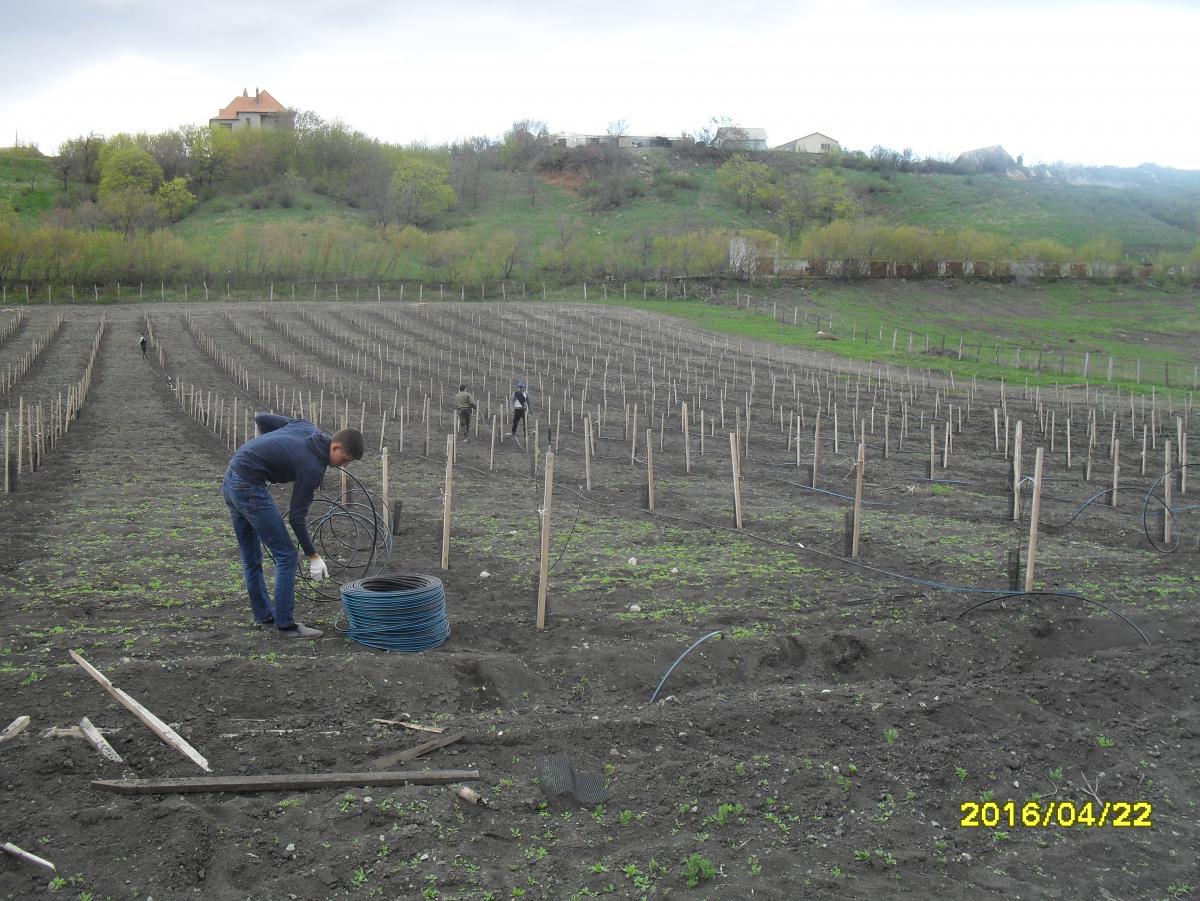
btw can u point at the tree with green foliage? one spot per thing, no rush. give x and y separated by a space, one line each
831 198
78 158
502 252
746 181
690 252
421 188
1102 248
174 199
129 177
211 150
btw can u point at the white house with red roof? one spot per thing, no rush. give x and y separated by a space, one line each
260 111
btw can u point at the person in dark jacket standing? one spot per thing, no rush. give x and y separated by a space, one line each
464 404
142 345
520 403
286 450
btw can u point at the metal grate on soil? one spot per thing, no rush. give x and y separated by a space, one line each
557 777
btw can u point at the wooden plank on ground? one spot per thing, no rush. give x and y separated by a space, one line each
26 856
152 722
390 760
15 728
414 726
282 781
98 741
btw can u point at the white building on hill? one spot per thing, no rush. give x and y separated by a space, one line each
813 143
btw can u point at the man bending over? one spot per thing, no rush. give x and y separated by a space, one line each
286 450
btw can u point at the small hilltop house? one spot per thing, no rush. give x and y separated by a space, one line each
813 143
260 111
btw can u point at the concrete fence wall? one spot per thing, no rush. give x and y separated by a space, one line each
748 260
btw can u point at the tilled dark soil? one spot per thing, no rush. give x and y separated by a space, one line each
822 747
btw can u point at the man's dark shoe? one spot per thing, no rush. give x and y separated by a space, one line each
299 630
264 623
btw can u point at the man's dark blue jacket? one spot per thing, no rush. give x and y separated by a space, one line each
287 450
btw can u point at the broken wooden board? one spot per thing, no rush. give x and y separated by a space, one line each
98 741
390 760
152 722
62 732
282 782
15 728
22 854
414 726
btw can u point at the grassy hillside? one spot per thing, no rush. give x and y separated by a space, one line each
27 183
1148 210
1062 320
1029 209
505 204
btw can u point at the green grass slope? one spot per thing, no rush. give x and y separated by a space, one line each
27 183
1029 209
504 204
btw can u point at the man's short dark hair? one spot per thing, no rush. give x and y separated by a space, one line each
351 441
462 387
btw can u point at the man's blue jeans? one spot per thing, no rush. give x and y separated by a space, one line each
256 521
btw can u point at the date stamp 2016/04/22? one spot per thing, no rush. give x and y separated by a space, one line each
1056 814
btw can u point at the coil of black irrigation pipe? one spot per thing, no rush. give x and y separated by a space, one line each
351 535
395 612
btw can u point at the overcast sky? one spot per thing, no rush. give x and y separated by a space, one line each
1089 82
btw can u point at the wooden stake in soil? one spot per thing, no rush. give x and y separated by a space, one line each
633 438
858 489
650 468
737 480
449 485
1034 511
152 722
932 450
1016 473
816 446
1116 471
687 444
492 448
544 565
387 505
587 452
1166 483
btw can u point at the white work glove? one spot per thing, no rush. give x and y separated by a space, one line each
317 570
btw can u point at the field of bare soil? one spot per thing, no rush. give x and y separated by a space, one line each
822 746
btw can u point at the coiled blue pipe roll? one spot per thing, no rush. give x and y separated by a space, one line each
396 612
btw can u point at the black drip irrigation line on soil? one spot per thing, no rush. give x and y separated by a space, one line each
1167 511
322 531
1052 594
670 669
937 586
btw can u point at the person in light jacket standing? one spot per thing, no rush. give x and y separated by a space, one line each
464 403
